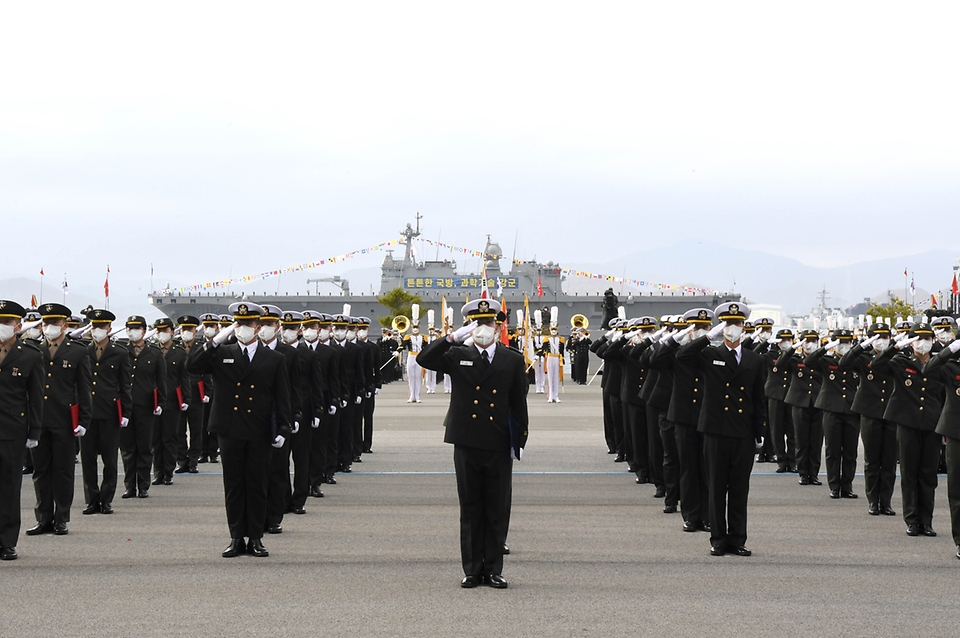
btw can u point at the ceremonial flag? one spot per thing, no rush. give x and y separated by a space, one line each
484 293
499 288
64 286
41 271
913 287
505 331
539 287
953 287
33 301
527 346
933 300
106 284
904 272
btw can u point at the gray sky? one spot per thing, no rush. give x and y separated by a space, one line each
216 139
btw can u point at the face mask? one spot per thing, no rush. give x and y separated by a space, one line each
164 337
944 336
351 335
210 332
134 334
98 334
310 334
483 335
340 334
732 333
764 335
324 334
6 332
268 333
33 333
809 347
881 344
52 332
245 334
289 335
786 343
923 346
843 349
362 334
696 334
187 335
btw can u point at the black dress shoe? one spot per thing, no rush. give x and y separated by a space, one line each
792 469
27 470
193 469
611 451
255 548
958 552
803 480
660 493
642 480
781 470
330 480
620 459
886 510
357 459
10 553
202 459
157 481
214 458
927 530
691 526
182 469
316 492
718 550
92 508
834 493
346 469
298 510
496 581
60 529
168 480
470 582
669 509
873 510
40 528
368 451
814 480
848 494
742 551
235 548
129 494
106 508
274 529
506 550
143 494
705 526
912 530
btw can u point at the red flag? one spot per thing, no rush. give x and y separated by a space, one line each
41 271
505 331
933 300
953 287
33 301
106 286
904 272
539 287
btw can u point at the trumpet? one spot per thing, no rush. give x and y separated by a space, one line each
400 324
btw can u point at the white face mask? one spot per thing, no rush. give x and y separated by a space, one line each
33 333
210 332
483 335
324 334
764 334
52 332
697 333
809 347
186 335
922 347
268 333
340 334
351 335
164 337
6 332
362 334
944 336
785 343
310 334
99 334
843 348
881 344
134 334
732 333
245 334
289 335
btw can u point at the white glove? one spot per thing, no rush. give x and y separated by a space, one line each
183 407
223 335
630 335
717 329
32 443
332 409
830 345
157 411
124 421
278 442
376 390
206 398
80 431
656 335
368 395
461 334
358 400
609 334
759 443
773 340
907 342
295 428
513 455
866 343
315 423
343 404
617 335
677 336
954 346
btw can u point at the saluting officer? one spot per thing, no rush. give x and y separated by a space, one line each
209 446
192 420
250 413
801 397
352 387
21 411
778 412
374 380
178 401
112 405
149 395
66 415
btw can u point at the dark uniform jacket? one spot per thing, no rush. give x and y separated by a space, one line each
371 365
632 374
804 380
484 396
875 388
659 386
946 366
686 396
175 362
67 383
611 371
251 399
21 393
291 356
917 399
111 381
838 386
352 379
733 401
777 380
149 377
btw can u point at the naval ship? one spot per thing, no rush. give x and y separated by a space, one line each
433 281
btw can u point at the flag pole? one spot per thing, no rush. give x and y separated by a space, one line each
41 284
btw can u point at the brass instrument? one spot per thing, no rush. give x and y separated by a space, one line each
400 324
579 321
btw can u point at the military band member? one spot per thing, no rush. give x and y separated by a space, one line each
581 356
66 415
178 400
149 395
487 424
539 371
413 344
112 406
191 421
251 414
21 413
801 396
553 349
430 376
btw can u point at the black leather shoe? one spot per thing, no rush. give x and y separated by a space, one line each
157 481
143 494
803 480
368 451
27 470
316 492
927 530
330 480
235 548
742 551
848 495
60 529
506 550
106 508
835 494
958 552
718 550
298 510
346 469
182 469
781 470
620 459
357 459
660 493
792 469
470 582
129 494
193 469
274 529
92 508
814 480
913 530
10 553
886 510
255 548
705 526
168 480
214 458
202 459
669 509
873 510
691 526
40 528
496 581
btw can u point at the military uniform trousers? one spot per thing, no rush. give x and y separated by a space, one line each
580 364
612 419
782 433
165 440
654 445
369 405
136 445
11 480
348 418
357 428
188 453
626 446
302 452
330 425
635 425
209 441
919 459
953 487
279 493
808 432
53 474
879 459
841 437
246 467
693 472
484 479
102 441
671 460
729 463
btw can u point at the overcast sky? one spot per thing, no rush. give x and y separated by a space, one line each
210 139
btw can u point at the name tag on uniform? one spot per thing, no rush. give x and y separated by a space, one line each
719 363
464 362
228 360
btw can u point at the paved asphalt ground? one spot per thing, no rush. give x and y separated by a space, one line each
592 554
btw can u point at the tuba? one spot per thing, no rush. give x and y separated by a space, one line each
579 321
400 324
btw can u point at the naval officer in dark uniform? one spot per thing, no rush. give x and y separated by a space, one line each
946 365
487 424
731 421
250 413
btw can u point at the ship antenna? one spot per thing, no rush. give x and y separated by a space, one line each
513 259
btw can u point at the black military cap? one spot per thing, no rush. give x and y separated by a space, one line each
842 335
809 334
732 311
11 310
878 329
100 315
786 333
699 315
134 321
188 321
921 330
245 310
163 322
74 320
54 311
